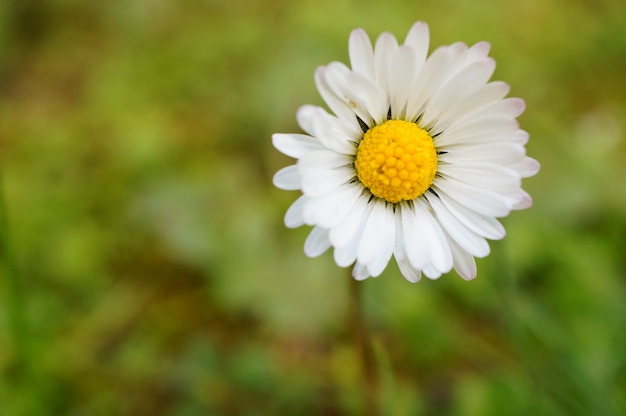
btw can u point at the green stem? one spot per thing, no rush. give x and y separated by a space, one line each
370 391
14 301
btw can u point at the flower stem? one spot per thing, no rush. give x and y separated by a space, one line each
364 347
14 301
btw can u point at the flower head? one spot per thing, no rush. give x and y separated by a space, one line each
419 159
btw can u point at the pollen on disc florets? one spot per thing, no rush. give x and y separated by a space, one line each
396 161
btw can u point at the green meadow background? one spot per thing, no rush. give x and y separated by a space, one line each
145 268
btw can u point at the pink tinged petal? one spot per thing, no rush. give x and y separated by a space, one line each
460 86
521 137
457 231
361 53
418 39
489 93
317 242
485 176
440 254
523 201
463 262
485 226
483 201
320 182
329 130
294 217
409 272
527 167
287 178
402 76
506 108
337 204
488 176
478 51
377 242
360 272
295 145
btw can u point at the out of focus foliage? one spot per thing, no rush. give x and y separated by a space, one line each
158 277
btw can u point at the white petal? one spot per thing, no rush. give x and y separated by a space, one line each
508 107
359 272
306 116
329 130
485 226
416 245
295 145
489 93
317 242
505 153
477 131
409 272
320 182
478 199
321 160
385 47
346 254
343 233
457 231
523 201
440 255
521 137
287 178
337 204
488 176
361 53
501 109
478 51
461 85
336 104
527 167
358 92
341 81
464 263
418 39
377 241
435 73
432 272
293 216
401 78
311 207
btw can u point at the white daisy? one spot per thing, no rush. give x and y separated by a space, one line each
420 158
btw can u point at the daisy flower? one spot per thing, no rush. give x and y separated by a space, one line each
419 159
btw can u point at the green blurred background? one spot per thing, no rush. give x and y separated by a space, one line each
157 277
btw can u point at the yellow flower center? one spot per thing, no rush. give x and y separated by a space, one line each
396 161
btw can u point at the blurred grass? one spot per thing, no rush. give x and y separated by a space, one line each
157 274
